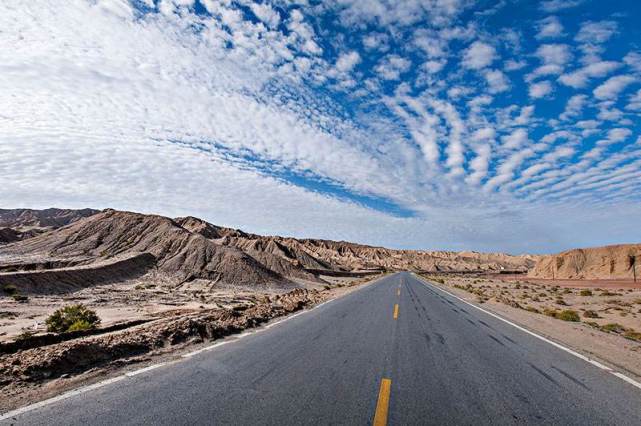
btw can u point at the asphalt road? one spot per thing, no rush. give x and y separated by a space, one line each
361 360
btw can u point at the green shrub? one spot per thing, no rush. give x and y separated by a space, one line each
591 314
585 292
77 316
568 315
550 312
80 325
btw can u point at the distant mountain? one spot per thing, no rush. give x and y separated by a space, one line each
47 218
608 262
86 247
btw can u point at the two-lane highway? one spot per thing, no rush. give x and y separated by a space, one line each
398 351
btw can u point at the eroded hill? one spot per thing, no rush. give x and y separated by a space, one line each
609 262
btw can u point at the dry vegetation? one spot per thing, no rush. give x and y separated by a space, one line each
608 310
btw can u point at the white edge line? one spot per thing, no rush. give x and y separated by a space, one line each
102 383
570 351
142 370
65 395
627 379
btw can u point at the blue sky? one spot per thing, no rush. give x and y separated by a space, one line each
430 124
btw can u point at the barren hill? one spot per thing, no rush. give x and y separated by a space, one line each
47 218
344 256
113 235
609 262
20 224
186 249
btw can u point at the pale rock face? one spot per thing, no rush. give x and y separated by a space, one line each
609 262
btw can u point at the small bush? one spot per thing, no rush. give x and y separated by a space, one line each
550 312
25 335
10 289
439 280
532 309
21 298
632 335
78 317
614 328
591 314
585 292
568 315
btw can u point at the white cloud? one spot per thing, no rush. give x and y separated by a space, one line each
574 107
544 70
433 67
551 6
596 32
479 164
513 65
540 90
266 13
347 61
478 55
634 102
580 77
515 140
483 134
376 41
549 27
392 66
497 81
554 54
387 13
613 86
633 60
618 134
431 43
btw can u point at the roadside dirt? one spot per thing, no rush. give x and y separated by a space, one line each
605 324
34 374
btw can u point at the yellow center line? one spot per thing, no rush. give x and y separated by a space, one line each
396 311
380 417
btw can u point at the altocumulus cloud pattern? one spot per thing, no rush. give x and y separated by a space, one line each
450 124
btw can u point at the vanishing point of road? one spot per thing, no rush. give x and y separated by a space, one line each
398 351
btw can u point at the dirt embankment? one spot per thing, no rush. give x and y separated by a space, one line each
609 262
64 280
79 355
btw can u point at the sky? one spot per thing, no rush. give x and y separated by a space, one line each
506 125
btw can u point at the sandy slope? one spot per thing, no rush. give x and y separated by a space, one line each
609 262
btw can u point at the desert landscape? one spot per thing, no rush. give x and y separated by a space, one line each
157 285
